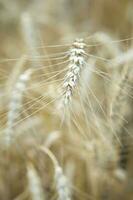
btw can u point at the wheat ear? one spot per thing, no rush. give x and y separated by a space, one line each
117 107
16 104
31 38
34 183
76 63
61 180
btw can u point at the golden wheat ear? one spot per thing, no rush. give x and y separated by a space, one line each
76 63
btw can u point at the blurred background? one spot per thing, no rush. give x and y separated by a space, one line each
63 19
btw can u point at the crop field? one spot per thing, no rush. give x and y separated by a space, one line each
66 100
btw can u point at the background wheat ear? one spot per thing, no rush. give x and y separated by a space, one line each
34 183
118 107
61 182
15 105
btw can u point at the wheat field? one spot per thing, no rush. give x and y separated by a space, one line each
66 100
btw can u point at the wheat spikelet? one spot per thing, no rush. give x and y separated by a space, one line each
62 185
34 183
76 63
15 104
